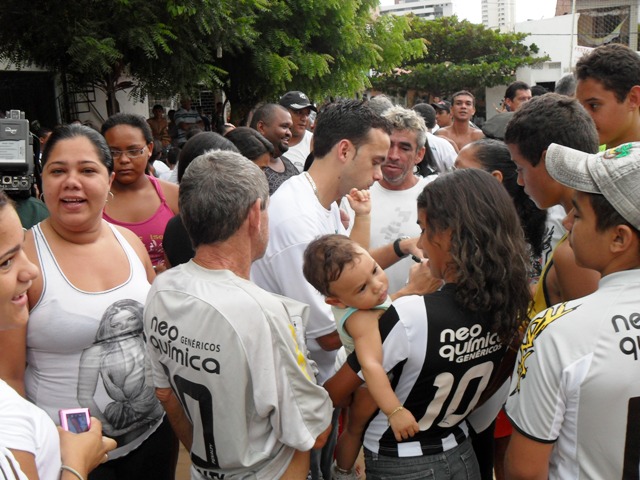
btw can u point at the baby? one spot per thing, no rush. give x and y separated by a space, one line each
356 287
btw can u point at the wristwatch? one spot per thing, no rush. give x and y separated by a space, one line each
396 246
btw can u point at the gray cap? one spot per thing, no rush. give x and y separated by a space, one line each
614 173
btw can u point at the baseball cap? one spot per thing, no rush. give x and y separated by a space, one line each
442 105
296 101
614 173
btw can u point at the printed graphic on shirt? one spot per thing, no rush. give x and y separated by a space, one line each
536 327
117 357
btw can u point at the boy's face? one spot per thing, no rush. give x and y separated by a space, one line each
614 120
362 284
589 245
538 184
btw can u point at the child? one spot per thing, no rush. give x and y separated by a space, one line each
575 392
609 90
356 287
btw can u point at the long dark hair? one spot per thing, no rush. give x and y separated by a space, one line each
488 250
494 155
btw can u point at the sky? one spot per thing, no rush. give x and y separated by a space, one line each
525 9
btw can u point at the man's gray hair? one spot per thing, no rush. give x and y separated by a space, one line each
404 119
216 194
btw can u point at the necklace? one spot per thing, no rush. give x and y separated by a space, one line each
312 183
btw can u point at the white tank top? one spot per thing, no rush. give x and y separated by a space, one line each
86 349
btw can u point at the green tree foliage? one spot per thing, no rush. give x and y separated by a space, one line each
322 47
460 56
254 49
158 45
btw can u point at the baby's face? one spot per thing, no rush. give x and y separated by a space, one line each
362 284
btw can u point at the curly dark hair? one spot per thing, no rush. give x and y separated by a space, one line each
325 259
487 245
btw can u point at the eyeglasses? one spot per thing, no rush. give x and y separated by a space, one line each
133 153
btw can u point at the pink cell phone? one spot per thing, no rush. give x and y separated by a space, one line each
75 420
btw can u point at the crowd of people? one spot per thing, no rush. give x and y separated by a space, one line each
449 301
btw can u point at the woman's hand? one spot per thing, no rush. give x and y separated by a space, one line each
85 451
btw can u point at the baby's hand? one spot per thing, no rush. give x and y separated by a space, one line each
403 424
359 201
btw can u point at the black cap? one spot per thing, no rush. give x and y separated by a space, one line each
442 105
296 101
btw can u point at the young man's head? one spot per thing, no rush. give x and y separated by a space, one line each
550 118
344 273
408 138
463 106
352 140
604 224
516 95
609 89
300 108
443 113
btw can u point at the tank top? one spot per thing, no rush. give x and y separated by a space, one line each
86 349
151 230
541 300
342 314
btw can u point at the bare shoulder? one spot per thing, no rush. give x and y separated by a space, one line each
361 322
170 191
443 132
476 134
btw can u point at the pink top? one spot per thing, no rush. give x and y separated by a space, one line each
151 230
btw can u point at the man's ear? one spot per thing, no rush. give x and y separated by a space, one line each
623 239
254 215
334 302
344 146
420 155
634 97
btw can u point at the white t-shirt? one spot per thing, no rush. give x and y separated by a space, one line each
296 218
394 213
298 153
233 354
443 152
577 382
23 426
9 466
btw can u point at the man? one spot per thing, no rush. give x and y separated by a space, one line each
544 120
609 89
228 359
393 197
443 150
516 95
350 144
443 113
300 107
274 122
566 85
576 387
462 109
186 119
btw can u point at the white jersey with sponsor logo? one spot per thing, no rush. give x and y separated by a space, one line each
441 358
234 355
577 382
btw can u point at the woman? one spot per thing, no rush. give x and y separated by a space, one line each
252 145
26 431
443 349
139 202
87 266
